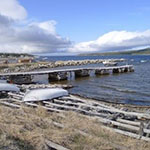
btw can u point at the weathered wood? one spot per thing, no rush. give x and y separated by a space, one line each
133 135
15 100
83 100
63 70
121 125
102 72
115 70
98 111
47 108
147 126
69 108
54 146
77 104
19 79
82 73
141 129
10 104
114 110
62 74
134 123
127 126
67 103
57 76
18 95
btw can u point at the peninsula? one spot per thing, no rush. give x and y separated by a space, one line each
145 51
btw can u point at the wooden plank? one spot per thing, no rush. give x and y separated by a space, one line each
113 110
10 104
16 95
62 70
47 108
133 135
122 125
60 107
58 101
15 100
134 123
84 106
111 122
54 146
84 100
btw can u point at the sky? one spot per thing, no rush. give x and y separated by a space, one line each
73 26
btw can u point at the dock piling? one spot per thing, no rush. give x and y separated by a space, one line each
65 74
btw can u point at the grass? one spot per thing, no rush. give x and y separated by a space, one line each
27 128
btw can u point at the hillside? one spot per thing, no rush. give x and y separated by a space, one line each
133 52
7 55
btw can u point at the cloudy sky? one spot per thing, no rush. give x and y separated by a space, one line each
73 26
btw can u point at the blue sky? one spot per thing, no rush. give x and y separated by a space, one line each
73 26
83 20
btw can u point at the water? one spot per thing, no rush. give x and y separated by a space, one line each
128 88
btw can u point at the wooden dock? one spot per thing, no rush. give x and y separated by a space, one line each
64 74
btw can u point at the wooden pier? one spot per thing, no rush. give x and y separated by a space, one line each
64 74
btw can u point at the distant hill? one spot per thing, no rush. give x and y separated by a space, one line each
5 55
145 51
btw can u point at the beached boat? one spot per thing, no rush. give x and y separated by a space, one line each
6 87
44 94
109 63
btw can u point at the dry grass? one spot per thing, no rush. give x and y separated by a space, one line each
27 128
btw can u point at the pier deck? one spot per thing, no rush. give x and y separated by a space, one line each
64 74
64 70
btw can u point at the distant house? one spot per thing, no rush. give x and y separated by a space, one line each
25 60
3 61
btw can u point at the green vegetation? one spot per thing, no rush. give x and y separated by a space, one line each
133 52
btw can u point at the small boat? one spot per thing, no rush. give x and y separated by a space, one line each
6 87
44 94
109 63
45 58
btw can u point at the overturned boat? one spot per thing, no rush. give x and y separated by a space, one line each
6 87
44 94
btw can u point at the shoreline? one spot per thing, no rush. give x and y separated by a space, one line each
46 65
72 122
113 118
20 67
132 107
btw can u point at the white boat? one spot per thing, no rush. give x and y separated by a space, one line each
109 63
44 94
8 87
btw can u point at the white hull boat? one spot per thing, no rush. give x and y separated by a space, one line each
108 63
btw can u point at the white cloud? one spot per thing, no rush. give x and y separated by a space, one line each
114 41
47 26
33 37
12 9
18 35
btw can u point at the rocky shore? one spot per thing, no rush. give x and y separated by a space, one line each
25 87
46 124
21 67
